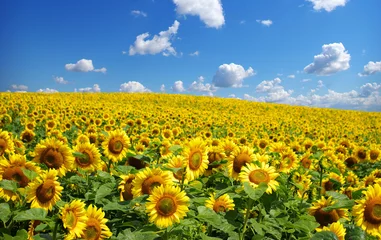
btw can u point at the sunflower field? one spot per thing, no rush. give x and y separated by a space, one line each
159 166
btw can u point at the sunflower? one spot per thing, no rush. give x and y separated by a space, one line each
12 169
116 145
136 163
288 162
239 158
73 216
368 211
336 228
6 143
55 155
263 143
215 154
328 183
27 136
31 229
125 187
351 179
91 159
167 205
45 190
222 204
228 147
195 158
82 138
167 134
374 153
360 153
96 228
326 217
254 175
350 162
177 162
147 179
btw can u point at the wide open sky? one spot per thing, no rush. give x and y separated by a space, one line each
323 53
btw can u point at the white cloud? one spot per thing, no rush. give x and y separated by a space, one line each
232 95
95 88
47 90
162 88
369 88
306 80
371 68
124 52
209 11
19 87
291 76
242 22
102 70
158 44
199 86
196 53
60 80
275 92
333 59
320 84
267 22
328 5
178 86
138 13
231 75
133 86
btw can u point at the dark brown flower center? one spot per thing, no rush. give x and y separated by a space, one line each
115 146
328 186
258 176
16 174
306 162
3 146
150 183
361 154
137 163
166 206
372 212
349 162
239 161
326 218
213 157
52 158
262 144
374 154
127 194
45 192
27 137
86 160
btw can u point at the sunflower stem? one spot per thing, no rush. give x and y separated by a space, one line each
182 179
55 230
249 206
321 176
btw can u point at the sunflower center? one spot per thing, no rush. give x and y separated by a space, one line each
258 176
150 183
16 174
70 219
137 163
239 161
372 211
374 154
262 144
45 192
349 162
219 206
195 160
93 230
306 162
212 157
52 158
325 218
127 194
166 206
3 146
361 154
328 186
86 160
115 146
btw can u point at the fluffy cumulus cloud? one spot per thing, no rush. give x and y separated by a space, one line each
133 86
83 65
178 86
60 80
93 89
209 11
21 87
162 88
196 53
138 13
47 90
291 76
199 86
158 44
231 75
334 58
371 68
274 90
267 22
328 5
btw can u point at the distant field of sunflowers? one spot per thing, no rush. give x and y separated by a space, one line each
159 166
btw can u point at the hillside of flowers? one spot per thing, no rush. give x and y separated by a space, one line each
160 166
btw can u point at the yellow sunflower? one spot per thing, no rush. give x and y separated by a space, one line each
73 216
326 217
222 204
368 211
360 153
27 135
177 162
195 158
116 145
254 175
240 157
91 160
6 143
55 155
96 228
125 187
215 154
167 205
328 184
12 169
337 228
147 179
374 153
31 229
45 190
288 162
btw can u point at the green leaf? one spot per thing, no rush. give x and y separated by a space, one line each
205 237
79 155
8 185
41 227
216 163
115 206
29 174
125 169
31 214
5 212
103 191
255 193
223 191
326 235
128 235
337 196
306 224
174 148
340 204
354 233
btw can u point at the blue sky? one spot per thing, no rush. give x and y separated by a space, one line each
324 53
